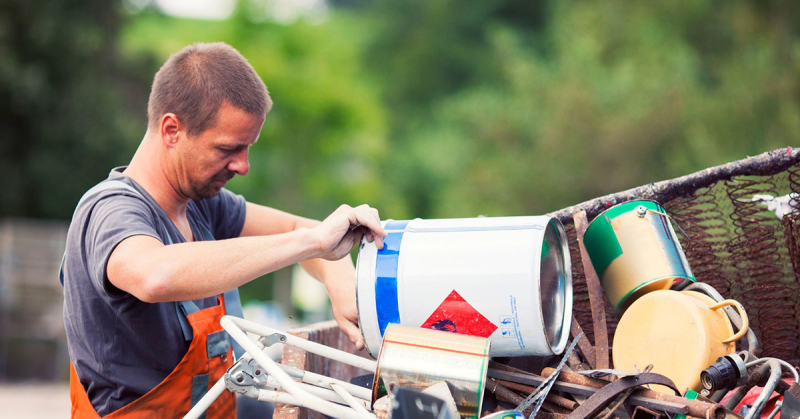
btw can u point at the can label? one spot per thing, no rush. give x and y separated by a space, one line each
456 315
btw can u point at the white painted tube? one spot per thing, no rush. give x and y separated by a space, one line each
278 397
313 347
352 401
286 382
323 393
205 401
327 382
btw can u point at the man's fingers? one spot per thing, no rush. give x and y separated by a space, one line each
352 331
368 217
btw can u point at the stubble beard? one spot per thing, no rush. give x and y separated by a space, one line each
210 189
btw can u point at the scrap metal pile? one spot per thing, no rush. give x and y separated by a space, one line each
599 310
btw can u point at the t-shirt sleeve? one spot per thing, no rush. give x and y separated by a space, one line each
112 220
227 213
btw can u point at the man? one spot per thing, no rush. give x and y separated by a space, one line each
154 251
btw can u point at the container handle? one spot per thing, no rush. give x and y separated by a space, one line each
745 321
669 217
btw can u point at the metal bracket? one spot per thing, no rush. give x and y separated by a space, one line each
244 376
272 339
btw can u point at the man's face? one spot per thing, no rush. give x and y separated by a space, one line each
206 162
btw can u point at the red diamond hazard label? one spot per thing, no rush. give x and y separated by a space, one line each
456 315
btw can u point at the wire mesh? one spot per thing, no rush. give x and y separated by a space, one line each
738 244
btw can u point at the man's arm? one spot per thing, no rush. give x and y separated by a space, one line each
153 272
337 276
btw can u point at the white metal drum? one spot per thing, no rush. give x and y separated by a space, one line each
508 279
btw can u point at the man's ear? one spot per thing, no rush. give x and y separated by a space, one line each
171 129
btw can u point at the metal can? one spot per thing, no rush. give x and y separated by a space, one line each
634 250
508 279
419 358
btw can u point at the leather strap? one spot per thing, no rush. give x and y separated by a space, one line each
607 394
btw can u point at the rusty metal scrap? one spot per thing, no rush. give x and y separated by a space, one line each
596 298
608 393
644 397
645 413
586 348
651 400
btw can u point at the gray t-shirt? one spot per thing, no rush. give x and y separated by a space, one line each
122 347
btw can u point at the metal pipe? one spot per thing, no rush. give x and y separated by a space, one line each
788 366
766 392
753 378
279 397
205 401
323 393
313 347
752 341
286 382
776 410
718 395
357 405
320 380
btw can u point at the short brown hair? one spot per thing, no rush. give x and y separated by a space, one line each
195 81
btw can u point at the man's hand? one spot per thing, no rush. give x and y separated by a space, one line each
337 236
343 229
342 291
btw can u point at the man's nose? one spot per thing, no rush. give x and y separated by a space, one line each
240 163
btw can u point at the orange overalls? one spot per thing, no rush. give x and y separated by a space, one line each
195 374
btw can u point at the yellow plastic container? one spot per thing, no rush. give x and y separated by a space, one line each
680 333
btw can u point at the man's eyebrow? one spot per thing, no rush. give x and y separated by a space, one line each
233 144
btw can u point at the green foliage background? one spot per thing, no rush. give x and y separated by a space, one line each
420 108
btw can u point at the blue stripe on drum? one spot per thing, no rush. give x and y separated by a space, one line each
386 302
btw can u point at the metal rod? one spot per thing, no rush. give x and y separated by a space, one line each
766 392
696 408
323 393
326 382
205 401
279 397
788 366
357 405
646 398
286 382
754 377
551 397
313 347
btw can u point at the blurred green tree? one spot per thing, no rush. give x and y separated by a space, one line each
70 105
489 116
324 140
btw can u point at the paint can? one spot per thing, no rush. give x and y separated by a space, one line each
634 250
419 358
508 279
679 333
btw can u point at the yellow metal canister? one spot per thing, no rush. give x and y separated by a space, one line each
679 333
